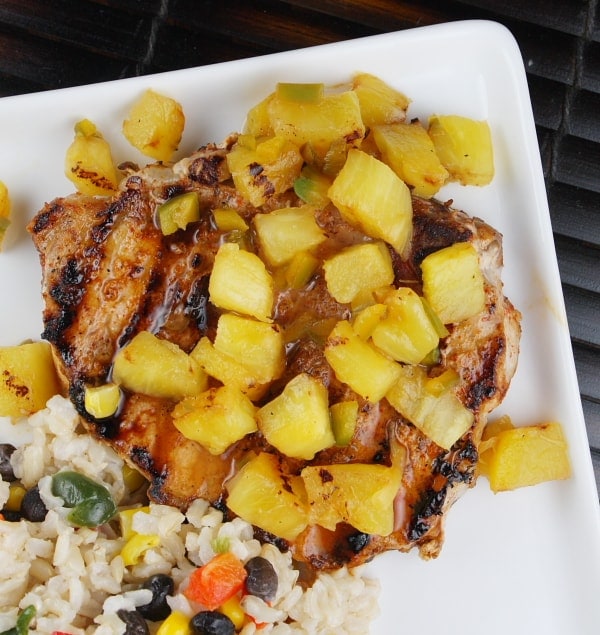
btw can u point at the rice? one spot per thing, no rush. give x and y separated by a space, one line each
77 580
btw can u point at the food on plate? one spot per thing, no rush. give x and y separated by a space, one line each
513 457
4 211
89 162
155 125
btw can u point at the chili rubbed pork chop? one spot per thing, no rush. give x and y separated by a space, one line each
108 273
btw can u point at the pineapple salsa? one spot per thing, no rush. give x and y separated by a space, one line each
350 152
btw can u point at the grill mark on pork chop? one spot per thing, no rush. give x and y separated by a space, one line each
161 284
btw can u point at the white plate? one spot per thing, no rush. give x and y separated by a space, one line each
521 562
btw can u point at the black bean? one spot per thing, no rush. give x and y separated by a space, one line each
6 470
157 609
212 623
262 578
135 624
32 506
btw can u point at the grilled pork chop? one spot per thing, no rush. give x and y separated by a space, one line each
109 273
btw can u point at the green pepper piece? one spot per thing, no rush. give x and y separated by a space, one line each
91 502
93 512
305 93
178 212
23 621
312 186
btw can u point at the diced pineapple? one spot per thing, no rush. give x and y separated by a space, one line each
442 418
343 421
453 283
296 422
300 269
285 232
409 151
89 163
155 125
228 220
258 346
312 187
28 378
358 494
358 268
159 368
240 282
4 211
216 418
527 455
405 333
318 123
102 401
226 369
258 123
464 146
178 212
367 319
269 168
371 196
356 363
260 495
379 102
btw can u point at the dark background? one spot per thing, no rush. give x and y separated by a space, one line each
47 44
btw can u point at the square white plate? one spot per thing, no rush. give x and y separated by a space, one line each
523 562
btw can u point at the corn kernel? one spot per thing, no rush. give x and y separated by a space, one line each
176 624
136 546
126 518
15 497
234 611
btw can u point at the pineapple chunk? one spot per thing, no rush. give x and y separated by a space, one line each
240 282
441 417
258 123
155 125
89 163
297 421
523 456
379 102
406 333
178 212
27 378
367 319
258 346
285 232
271 167
409 151
356 363
344 415
228 220
159 368
261 495
216 418
228 370
359 268
300 269
373 198
102 401
318 123
4 212
464 147
358 494
453 283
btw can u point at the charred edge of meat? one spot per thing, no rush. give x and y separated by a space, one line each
104 428
431 504
100 232
54 328
265 537
486 385
172 190
458 466
206 170
196 303
68 291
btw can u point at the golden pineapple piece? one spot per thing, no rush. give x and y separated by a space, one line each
178 212
365 321
158 368
296 422
442 418
406 333
343 421
355 362
300 269
371 196
155 125
258 123
226 369
258 346
528 455
320 122
355 493
268 168
240 282
409 151
4 212
102 401
453 283
285 232
464 147
379 102
358 268
260 494
89 163
28 378
216 418
228 220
